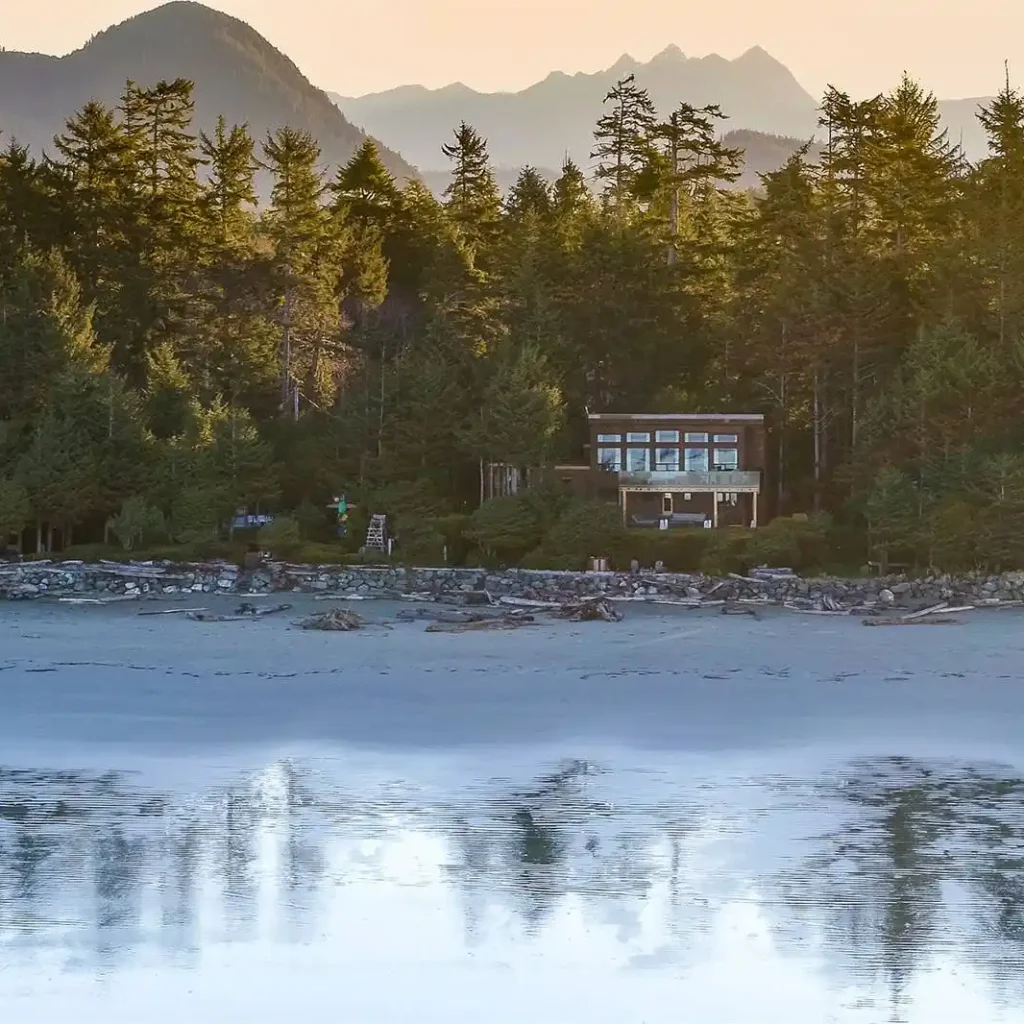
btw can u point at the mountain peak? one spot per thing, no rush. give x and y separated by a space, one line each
757 55
670 53
237 73
624 64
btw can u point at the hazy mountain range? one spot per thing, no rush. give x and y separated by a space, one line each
555 117
237 73
242 76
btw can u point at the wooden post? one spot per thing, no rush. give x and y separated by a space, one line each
714 517
755 510
623 494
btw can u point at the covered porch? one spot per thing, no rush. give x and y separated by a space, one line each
723 497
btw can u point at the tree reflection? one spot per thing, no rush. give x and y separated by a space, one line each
882 880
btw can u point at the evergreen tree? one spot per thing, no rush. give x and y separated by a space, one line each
530 196
521 412
623 140
45 328
229 195
472 199
696 159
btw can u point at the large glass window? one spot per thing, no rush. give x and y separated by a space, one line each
727 458
643 438
696 460
726 438
609 438
696 438
610 458
637 460
667 460
666 436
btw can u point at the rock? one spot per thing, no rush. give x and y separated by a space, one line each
886 596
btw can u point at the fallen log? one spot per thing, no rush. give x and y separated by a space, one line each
445 615
813 611
595 610
526 602
173 611
933 620
505 622
252 611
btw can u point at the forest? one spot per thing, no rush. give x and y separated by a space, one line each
171 348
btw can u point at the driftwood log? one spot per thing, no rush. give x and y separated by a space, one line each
513 620
339 620
596 610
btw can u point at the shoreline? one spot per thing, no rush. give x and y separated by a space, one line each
112 581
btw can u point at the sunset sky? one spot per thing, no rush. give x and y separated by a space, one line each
354 48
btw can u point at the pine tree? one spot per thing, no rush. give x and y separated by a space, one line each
300 229
472 199
623 140
521 413
365 191
45 328
529 197
229 196
997 193
696 159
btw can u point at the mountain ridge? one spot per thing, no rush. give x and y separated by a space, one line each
237 73
553 117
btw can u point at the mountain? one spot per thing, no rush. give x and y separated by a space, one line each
555 117
237 73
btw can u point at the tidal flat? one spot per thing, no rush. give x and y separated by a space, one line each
683 816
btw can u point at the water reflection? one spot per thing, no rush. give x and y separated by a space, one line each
870 878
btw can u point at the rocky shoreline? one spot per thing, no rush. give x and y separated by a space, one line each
110 580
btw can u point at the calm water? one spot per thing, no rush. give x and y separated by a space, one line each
819 868
881 890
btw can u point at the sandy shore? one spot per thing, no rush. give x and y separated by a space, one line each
663 678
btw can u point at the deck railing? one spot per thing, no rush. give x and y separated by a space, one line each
718 480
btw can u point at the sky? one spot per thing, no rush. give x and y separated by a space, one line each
355 48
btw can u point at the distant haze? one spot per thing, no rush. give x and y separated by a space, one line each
954 49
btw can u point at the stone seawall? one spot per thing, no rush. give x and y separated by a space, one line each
27 580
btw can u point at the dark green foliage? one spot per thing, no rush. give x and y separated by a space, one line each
505 529
584 530
167 345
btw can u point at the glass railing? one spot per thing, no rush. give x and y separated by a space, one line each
720 479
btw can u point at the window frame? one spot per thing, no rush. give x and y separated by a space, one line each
632 453
721 467
690 452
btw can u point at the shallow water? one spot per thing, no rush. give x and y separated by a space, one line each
678 817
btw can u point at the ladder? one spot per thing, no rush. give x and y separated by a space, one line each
375 534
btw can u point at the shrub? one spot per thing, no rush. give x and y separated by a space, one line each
138 522
727 550
195 516
282 535
585 529
419 541
505 529
680 550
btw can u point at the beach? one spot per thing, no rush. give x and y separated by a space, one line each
562 822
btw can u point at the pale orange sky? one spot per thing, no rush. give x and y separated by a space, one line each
954 48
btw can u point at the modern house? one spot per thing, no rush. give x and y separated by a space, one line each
674 469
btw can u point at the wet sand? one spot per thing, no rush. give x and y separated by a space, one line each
681 816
